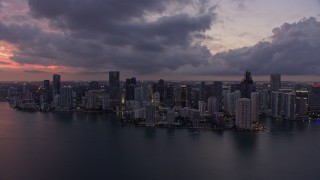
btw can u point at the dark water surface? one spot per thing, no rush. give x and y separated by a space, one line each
64 146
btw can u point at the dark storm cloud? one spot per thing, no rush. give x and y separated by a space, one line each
34 71
112 34
294 49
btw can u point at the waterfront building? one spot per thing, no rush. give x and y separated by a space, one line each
289 105
314 98
301 106
114 89
276 104
243 114
66 97
150 115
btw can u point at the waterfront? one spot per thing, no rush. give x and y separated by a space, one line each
68 145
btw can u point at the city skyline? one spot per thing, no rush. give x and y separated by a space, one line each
174 40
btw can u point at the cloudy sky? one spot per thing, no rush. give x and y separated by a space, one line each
152 39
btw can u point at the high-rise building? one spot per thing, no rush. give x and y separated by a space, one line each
301 106
114 88
46 97
183 95
254 106
150 115
276 104
202 108
130 87
169 95
289 105
203 91
213 105
161 89
243 114
314 98
217 89
264 100
247 85
66 97
275 82
56 84
231 102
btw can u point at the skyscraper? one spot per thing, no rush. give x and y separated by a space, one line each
130 87
213 105
203 91
114 88
254 106
247 85
276 104
66 97
161 89
243 114
217 89
275 82
183 95
289 106
56 84
314 97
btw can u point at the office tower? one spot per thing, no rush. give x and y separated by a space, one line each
66 97
247 85
46 95
92 100
213 105
275 82
209 91
183 95
254 106
161 89
276 104
150 115
243 114
314 98
194 99
130 88
289 105
56 84
156 99
114 89
231 102
202 108
203 91
169 95
217 89
301 106
263 100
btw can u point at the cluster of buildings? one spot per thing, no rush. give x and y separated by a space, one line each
214 104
